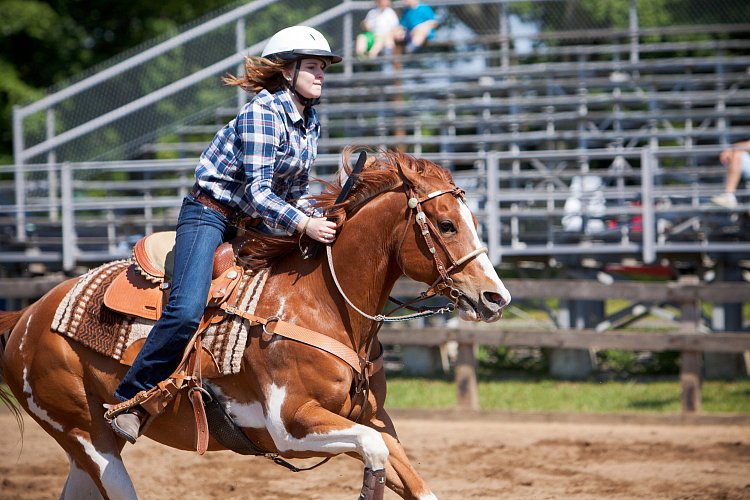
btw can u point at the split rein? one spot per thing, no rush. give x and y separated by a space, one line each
444 281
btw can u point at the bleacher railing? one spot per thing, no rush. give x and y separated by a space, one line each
648 203
118 110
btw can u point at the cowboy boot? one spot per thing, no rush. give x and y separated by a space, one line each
128 424
128 418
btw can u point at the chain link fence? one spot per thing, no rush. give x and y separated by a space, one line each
115 111
176 80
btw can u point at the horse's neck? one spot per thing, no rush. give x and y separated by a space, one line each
364 259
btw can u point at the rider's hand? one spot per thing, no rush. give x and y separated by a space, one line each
319 229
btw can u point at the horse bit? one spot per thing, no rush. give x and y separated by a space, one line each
443 282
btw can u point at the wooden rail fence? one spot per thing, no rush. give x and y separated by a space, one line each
690 345
687 338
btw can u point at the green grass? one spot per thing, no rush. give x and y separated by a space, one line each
557 396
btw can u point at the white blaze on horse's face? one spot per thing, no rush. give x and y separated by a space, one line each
485 296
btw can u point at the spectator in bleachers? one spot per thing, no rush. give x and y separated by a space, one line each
737 161
379 28
417 25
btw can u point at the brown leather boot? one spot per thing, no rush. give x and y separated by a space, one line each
128 424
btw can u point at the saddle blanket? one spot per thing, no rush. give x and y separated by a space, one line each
83 317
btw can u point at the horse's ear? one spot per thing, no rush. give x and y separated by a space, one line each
410 176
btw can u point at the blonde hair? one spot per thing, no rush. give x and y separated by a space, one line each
260 73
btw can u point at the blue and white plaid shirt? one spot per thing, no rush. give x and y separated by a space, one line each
260 161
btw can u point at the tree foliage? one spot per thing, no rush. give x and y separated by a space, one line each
44 43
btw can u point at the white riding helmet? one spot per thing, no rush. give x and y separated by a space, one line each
298 42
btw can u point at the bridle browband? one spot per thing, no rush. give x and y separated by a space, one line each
430 234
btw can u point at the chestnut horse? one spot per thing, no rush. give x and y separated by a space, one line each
290 398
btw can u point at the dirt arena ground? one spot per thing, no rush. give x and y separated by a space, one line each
480 457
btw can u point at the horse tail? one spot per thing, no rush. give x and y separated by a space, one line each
7 321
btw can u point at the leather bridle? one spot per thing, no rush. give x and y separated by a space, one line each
430 234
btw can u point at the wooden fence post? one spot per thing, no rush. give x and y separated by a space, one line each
690 380
690 361
466 377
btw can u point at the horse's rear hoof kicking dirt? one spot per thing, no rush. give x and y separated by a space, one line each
290 397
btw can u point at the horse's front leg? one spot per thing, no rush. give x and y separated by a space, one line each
315 429
401 477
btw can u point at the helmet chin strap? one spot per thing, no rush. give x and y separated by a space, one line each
306 101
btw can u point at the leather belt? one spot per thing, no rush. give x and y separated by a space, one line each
235 216
210 202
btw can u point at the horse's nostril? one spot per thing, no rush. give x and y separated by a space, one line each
494 298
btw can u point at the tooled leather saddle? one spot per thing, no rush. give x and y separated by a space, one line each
142 289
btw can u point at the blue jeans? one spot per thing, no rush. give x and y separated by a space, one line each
200 230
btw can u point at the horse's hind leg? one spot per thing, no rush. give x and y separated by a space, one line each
96 467
79 484
56 399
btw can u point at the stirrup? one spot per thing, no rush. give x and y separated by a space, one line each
153 400
116 409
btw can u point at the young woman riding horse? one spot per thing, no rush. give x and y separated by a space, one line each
256 167
404 216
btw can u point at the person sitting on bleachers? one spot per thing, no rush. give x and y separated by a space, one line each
379 27
417 25
737 161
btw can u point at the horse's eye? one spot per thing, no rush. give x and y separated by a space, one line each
446 227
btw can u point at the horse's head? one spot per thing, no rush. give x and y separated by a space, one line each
440 245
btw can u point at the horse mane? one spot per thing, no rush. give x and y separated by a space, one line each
380 174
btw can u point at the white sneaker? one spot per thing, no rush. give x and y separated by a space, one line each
726 200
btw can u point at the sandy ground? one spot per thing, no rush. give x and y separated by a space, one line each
472 458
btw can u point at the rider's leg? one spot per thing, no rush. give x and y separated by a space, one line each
200 230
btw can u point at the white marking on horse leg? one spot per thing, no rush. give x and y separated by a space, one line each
482 259
428 496
34 407
24 335
243 414
112 472
79 485
367 442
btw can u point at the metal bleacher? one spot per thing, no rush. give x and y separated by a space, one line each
589 143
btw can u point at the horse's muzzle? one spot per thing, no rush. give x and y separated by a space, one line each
491 304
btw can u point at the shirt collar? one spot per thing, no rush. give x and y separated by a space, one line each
285 98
